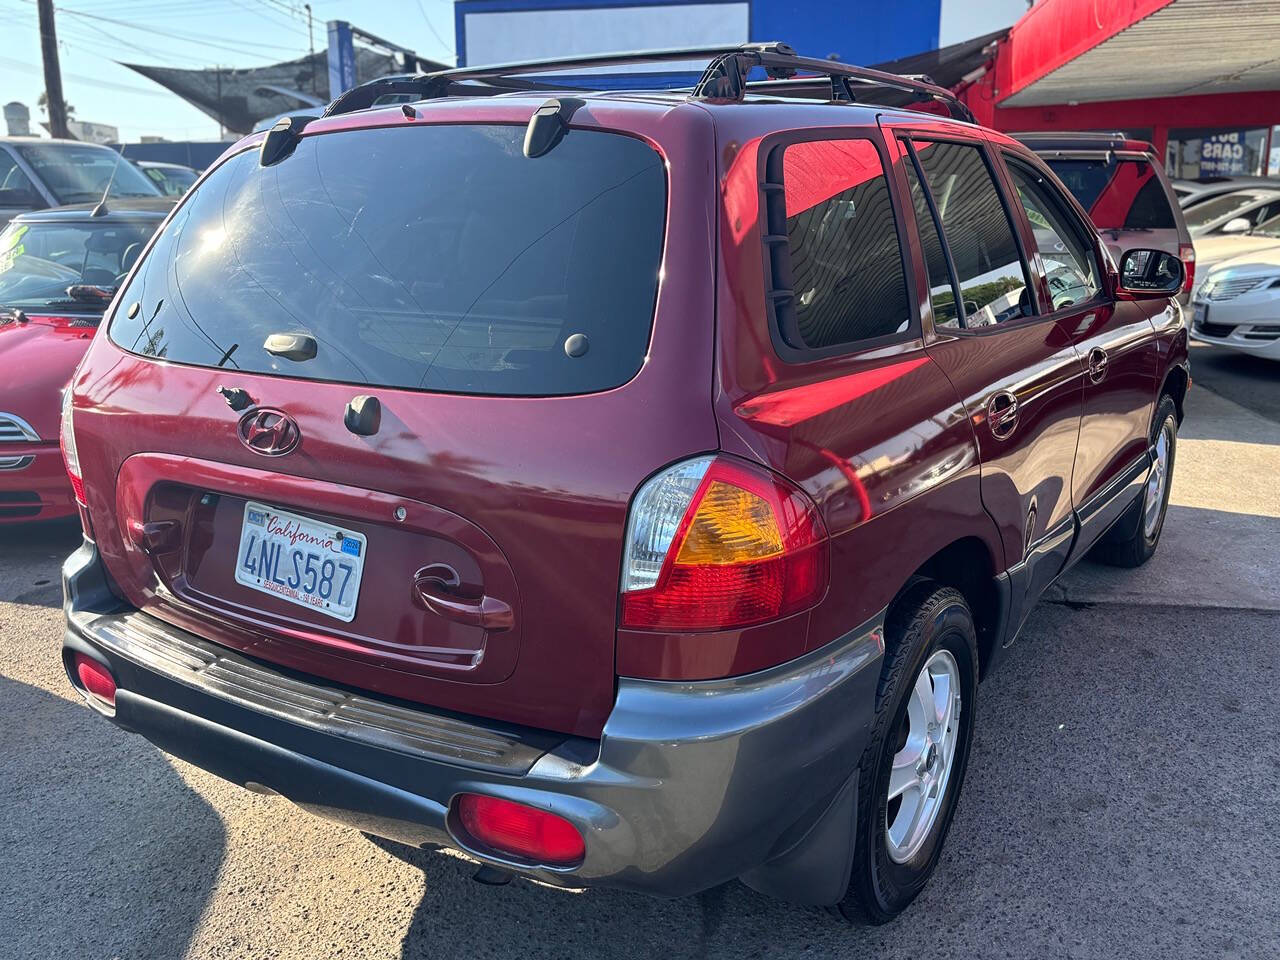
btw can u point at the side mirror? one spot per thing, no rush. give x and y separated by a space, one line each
1237 225
1149 275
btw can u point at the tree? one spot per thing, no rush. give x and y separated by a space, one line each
42 102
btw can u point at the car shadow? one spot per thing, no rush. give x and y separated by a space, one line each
31 555
1083 829
460 917
107 852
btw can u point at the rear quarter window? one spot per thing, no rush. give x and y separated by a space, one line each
1120 194
432 257
842 261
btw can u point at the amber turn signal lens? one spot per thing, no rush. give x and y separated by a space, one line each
748 548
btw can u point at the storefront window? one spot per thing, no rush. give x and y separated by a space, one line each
1217 153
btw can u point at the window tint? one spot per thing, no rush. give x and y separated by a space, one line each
16 189
941 291
1118 194
1068 258
989 268
846 263
432 257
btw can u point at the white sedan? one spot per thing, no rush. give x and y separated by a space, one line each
1237 304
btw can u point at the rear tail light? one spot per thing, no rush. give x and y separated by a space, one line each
714 544
1187 254
519 830
67 440
96 679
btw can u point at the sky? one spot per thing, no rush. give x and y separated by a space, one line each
94 34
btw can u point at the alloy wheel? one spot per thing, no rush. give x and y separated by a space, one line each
1157 481
926 754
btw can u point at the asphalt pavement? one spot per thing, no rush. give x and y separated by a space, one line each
1122 800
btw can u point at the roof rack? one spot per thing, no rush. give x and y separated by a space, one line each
725 77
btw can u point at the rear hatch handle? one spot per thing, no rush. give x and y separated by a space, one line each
433 588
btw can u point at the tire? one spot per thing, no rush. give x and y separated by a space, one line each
929 626
1134 537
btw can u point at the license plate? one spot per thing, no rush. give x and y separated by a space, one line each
305 561
1200 313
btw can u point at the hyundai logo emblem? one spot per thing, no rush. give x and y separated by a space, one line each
272 433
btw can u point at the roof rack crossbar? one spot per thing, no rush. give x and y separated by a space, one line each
724 77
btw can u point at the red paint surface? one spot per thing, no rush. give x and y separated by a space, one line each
537 488
39 357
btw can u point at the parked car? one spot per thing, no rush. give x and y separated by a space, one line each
35 174
1238 304
1233 213
618 508
1217 247
173 179
59 269
1192 193
1123 186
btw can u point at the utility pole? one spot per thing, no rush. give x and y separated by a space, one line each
56 106
311 42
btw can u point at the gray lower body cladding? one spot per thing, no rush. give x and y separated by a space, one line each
691 784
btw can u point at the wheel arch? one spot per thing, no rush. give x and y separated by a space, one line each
969 565
1176 383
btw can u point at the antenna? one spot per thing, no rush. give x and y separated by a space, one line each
101 208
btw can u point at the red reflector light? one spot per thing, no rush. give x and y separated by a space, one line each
96 679
1187 254
522 831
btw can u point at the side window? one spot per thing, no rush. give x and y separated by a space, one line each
942 291
989 269
1265 212
843 262
1069 263
16 189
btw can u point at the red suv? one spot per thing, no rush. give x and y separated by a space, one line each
625 488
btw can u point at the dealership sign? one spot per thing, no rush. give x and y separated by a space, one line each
1223 154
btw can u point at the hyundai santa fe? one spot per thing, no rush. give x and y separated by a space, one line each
627 489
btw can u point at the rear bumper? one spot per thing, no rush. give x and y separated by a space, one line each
690 785
33 483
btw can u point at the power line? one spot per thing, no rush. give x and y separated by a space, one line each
173 35
436 33
96 81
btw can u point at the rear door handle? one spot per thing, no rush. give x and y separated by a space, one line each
1002 413
1098 361
487 613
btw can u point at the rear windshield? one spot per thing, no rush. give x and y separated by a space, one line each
1120 194
431 257
67 265
80 173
